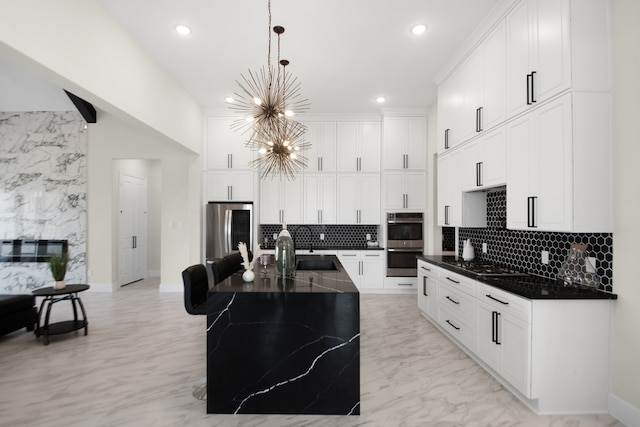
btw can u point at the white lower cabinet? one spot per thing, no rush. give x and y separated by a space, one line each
365 268
400 283
553 354
503 340
428 289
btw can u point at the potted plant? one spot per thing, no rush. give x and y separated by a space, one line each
58 265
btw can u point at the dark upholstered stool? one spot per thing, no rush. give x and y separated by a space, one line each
17 311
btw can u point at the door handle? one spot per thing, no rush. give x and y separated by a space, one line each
479 174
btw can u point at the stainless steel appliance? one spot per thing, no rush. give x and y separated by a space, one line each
227 225
483 269
405 241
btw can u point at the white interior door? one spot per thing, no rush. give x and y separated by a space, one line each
132 229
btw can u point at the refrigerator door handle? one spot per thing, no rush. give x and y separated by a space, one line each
228 217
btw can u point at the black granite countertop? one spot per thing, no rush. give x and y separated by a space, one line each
316 281
333 248
529 286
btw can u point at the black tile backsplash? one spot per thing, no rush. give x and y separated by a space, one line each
335 236
521 249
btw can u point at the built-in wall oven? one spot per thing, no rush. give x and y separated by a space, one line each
405 241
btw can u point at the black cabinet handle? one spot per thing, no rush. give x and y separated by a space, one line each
424 286
453 326
494 331
496 299
446 215
533 82
446 139
479 170
531 88
497 323
479 119
425 268
531 211
454 281
452 300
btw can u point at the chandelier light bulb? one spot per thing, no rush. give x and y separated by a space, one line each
270 143
289 113
285 143
257 101
230 99
293 155
250 119
262 150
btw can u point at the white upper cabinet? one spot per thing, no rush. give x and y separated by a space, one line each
404 143
358 146
320 198
358 199
484 161
281 201
226 148
555 45
405 190
321 155
223 185
473 97
559 166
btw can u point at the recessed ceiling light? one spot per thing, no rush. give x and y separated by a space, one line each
183 29
380 99
418 29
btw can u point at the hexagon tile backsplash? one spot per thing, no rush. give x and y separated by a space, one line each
521 249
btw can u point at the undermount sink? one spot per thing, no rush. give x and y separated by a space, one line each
316 264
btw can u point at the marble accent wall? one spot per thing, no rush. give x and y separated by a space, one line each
43 189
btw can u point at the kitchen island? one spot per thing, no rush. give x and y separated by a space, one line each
285 345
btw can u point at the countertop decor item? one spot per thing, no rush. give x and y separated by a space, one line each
58 265
467 251
285 254
269 100
248 275
577 270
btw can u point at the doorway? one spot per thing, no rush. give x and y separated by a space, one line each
132 233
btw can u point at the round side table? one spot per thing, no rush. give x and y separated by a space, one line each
52 296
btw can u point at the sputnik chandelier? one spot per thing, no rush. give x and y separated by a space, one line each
268 100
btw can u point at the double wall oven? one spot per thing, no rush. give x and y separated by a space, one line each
405 241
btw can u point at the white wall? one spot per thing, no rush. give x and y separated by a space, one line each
434 233
626 339
76 45
179 193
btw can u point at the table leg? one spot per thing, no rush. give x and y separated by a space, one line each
45 328
84 316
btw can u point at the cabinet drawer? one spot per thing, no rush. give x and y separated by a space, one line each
459 329
428 269
506 302
457 302
458 281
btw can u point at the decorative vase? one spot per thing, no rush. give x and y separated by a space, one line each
248 276
577 270
60 284
285 254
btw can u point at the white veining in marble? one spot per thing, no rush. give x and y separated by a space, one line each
144 352
43 175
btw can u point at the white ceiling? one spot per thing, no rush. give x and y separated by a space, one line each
344 52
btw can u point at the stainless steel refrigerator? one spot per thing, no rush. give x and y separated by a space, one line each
227 225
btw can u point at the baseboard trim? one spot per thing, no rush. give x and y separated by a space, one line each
624 411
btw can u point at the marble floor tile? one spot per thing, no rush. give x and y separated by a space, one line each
144 352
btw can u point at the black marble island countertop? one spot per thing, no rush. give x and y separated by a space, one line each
528 286
266 280
284 346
